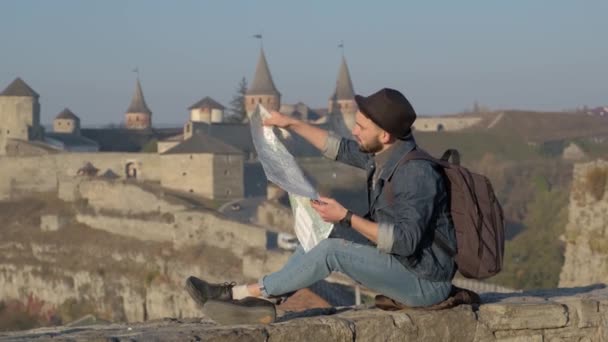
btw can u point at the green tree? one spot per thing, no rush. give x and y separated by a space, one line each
238 113
534 258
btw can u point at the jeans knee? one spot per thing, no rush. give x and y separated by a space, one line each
327 246
329 252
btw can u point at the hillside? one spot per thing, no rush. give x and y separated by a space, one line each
545 126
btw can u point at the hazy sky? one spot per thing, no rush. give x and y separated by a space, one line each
443 55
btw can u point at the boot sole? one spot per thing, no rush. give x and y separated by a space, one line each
194 293
228 313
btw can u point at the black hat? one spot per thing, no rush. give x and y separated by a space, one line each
388 109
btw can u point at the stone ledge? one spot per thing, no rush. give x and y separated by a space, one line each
573 314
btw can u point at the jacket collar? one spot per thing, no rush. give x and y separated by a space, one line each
397 153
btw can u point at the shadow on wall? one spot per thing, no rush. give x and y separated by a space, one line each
255 180
544 294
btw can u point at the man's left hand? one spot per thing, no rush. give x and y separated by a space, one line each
329 209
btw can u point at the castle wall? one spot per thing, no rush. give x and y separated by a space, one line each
121 197
270 102
434 124
66 126
188 172
138 121
228 176
42 173
19 119
586 256
200 115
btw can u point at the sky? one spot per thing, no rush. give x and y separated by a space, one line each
443 55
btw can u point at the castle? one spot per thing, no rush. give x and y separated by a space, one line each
207 156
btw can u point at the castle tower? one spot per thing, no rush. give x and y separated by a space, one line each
207 110
342 106
138 116
66 122
262 90
19 114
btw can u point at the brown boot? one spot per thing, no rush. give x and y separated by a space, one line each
250 310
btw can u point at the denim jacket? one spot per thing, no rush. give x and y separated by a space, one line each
420 206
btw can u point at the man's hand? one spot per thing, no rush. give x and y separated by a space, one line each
329 209
279 120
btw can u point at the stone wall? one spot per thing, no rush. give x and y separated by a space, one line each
127 209
586 257
19 119
126 250
228 176
212 176
270 102
42 173
435 124
188 172
561 315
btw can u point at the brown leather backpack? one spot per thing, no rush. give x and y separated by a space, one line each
476 213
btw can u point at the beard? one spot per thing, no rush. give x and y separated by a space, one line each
372 147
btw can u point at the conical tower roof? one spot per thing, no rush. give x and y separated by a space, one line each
138 103
67 114
344 84
262 80
19 88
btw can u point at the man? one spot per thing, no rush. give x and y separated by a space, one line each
401 261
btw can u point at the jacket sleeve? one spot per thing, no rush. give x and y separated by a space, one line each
345 151
416 187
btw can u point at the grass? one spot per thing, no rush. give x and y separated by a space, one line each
473 145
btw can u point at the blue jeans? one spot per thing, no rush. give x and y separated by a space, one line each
374 269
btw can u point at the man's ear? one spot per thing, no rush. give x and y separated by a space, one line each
385 137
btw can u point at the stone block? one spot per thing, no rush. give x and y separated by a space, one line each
483 333
5 188
377 325
513 315
194 332
584 312
572 334
519 336
68 190
439 325
52 223
311 329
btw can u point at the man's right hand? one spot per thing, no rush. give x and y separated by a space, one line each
279 120
313 134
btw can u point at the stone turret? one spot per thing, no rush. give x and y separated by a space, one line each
342 106
207 110
138 115
262 90
19 114
66 122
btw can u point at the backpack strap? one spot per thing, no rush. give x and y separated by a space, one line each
451 153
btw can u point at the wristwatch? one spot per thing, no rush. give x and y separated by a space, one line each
347 218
